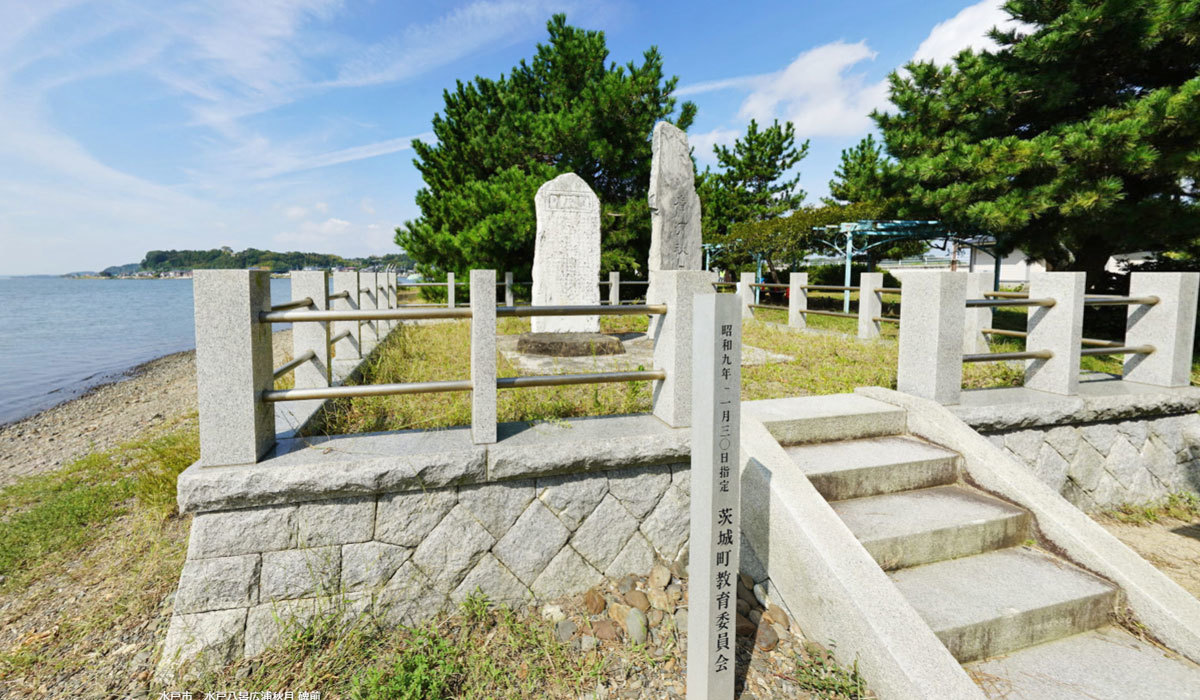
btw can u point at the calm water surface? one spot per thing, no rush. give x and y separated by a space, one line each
59 337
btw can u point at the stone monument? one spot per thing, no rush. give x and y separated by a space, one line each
566 254
674 204
674 211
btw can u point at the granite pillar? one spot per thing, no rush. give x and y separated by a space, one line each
1057 328
233 365
931 329
1169 325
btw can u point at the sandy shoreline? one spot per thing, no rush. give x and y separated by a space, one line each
149 395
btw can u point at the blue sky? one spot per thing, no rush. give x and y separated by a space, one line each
285 124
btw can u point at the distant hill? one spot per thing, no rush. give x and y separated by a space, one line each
118 270
226 258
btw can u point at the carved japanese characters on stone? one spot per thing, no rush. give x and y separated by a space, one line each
566 254
674 204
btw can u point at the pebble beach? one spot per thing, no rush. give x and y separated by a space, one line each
146 396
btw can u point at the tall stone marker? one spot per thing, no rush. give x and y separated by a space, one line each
566 254
674 204
716 495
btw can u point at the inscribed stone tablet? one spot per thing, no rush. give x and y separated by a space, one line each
566 254
674 205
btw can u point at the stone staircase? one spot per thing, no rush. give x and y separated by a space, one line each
1024 622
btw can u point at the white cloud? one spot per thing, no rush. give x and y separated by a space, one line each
282 161
367 205
743 82
702 144
321 207
824 91
967 29
318 235
818 93
380 238
457 34
216 63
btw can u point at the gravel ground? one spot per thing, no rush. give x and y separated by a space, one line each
106 416
1171 545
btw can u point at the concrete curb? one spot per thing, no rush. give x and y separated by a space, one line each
317 468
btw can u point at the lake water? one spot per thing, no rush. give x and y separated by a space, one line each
59 337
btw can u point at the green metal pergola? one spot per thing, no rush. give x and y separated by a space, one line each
840 237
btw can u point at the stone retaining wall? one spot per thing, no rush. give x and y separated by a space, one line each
1106 464
1116 443
406 555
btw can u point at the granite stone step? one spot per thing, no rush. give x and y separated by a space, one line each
1103 664
808 419
874 465
928 525
995 603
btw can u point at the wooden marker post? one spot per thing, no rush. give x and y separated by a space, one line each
715 517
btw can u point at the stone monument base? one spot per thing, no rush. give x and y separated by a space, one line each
569 344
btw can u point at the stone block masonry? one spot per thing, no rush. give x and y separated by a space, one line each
1106 464
403 555
1114 444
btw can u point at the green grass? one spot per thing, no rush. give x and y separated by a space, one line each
480 651
57 513
820 674
88 553
821 363
441 352
1183 506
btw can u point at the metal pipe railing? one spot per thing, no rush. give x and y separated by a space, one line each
886 319
1007 295
361 315
339 336
768 306
980 303
1106 300
1095 342
621 310
289 366
829 287
339 392
340 295
1118 350
889 290
765 285
1001 356
295 304
342 392
570 379
838 314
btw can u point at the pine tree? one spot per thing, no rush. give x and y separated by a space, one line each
499 140
861 174
1074 140
751 186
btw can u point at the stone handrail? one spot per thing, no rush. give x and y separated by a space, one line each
234 374
948 319
870 305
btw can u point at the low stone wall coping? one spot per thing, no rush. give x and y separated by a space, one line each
307 469
1100 398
